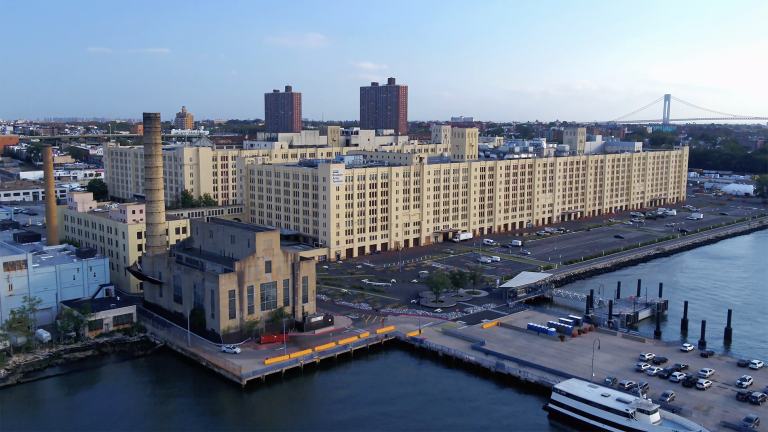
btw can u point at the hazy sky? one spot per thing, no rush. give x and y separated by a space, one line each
494 60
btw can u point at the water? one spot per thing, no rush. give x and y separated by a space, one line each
730 274
390 389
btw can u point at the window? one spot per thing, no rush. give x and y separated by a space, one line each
305 289
178 230
213 305
178 294
14 265
267 266
122 319
268 296
97 324
139 247
249 290
286 293
232 312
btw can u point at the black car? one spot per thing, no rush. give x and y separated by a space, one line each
758 398
610 381
650 218
743 362
679 367
627 385
619 236
743 395
665 373
689 381
723 214
659 360
707 353
32 213
684 230
751 421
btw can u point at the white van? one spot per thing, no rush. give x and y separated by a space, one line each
489 242
43 336
516 243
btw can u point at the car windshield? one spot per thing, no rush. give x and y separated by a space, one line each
666 393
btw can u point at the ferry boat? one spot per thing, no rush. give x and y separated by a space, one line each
604 408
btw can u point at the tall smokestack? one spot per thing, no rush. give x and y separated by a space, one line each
154 190
51 218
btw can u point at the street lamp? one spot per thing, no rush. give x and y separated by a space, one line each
593 357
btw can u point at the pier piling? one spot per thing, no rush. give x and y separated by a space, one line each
639 281
703 340
618 290
610 310
728 336
684 321
586 309
661 288
657 332
592 299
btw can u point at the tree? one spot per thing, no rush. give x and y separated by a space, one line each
206 200
86 314
252 326
34 152
475 275
438 283
186 200
458 279
278 315
69 322
761 186
197 319
22 321
98 188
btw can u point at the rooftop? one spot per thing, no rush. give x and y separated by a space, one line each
100 304
42 255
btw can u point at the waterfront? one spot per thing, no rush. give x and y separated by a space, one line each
390 389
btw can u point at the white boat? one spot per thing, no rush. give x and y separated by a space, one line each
608 409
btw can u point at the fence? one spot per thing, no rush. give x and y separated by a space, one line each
399 263
178 336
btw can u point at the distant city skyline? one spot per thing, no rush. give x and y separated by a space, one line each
496 61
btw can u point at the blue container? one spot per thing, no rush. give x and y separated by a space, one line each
551 332
566 321
576 319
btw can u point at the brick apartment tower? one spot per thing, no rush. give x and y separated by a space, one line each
282 111
384 107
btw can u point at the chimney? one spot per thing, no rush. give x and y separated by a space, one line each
51 218
288 89
275 91
153 185
390 81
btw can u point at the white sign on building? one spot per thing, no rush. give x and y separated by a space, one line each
337 176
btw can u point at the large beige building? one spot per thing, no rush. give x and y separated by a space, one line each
184 120
116 231
363 206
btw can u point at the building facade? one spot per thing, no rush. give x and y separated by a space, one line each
384 107
282 111
183 120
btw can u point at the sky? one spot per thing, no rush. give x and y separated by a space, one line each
493 60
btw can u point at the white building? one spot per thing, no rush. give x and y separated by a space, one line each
50 273
28 191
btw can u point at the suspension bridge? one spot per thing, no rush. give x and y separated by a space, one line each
667 103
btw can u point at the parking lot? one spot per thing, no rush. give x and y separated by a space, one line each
493 269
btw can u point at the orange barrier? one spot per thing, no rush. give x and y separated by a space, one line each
366 334
325 347
276 359
490 324
347 340
414 333
301 353
385 329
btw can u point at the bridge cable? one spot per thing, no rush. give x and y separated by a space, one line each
638 110
705 109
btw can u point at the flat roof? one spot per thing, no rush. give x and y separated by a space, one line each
242 226
101 304
64 254
525 278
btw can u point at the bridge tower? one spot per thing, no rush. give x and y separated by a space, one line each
667 103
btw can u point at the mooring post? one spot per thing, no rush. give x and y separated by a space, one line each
586 310
657 332
728 336
618 290
661 288
638 288
610 310
592 299
703 340
684 321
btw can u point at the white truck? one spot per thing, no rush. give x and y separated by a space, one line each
672 212
516 243
489 242
694 216
462 236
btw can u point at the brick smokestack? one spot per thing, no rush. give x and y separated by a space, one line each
154 189
51 218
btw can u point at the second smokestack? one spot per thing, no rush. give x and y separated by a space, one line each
154 189
51 218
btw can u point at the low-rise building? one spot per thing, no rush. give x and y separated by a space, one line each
107 313
22 190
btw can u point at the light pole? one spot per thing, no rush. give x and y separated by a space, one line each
285 345
593 357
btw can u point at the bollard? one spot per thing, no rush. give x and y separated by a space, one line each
638 288
684 321
592 298
728 336
661 288
657 332
703 340
618 290
586 311
610 310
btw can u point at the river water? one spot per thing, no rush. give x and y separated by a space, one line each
390 388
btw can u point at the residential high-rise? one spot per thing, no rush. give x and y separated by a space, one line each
184 120
384 107
282 111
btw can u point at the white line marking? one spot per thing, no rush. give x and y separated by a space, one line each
462 327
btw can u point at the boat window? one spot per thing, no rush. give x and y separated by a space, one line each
606 395
648 412
623 400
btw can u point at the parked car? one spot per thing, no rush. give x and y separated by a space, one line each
670 224
653 370
703 384
743 395
687 347
745 381
666 373
627 223
684 230
706 373
646 356
758 398
484 260
689 381
668 396
627 385
724 213
650 217
642 367
636 220
644 386
525 252
743 362
613 220
231 349
31 212
680 367
495 259
618 236
751 421
707 353
755 364
542 233
660 360
610 381
677 376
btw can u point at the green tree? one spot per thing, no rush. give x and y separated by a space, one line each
438 283
86 313
98 188
251 327
197 319
458 279
206 200
186 200
69 322
475 275
34 153
761 186
278 315
22 321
